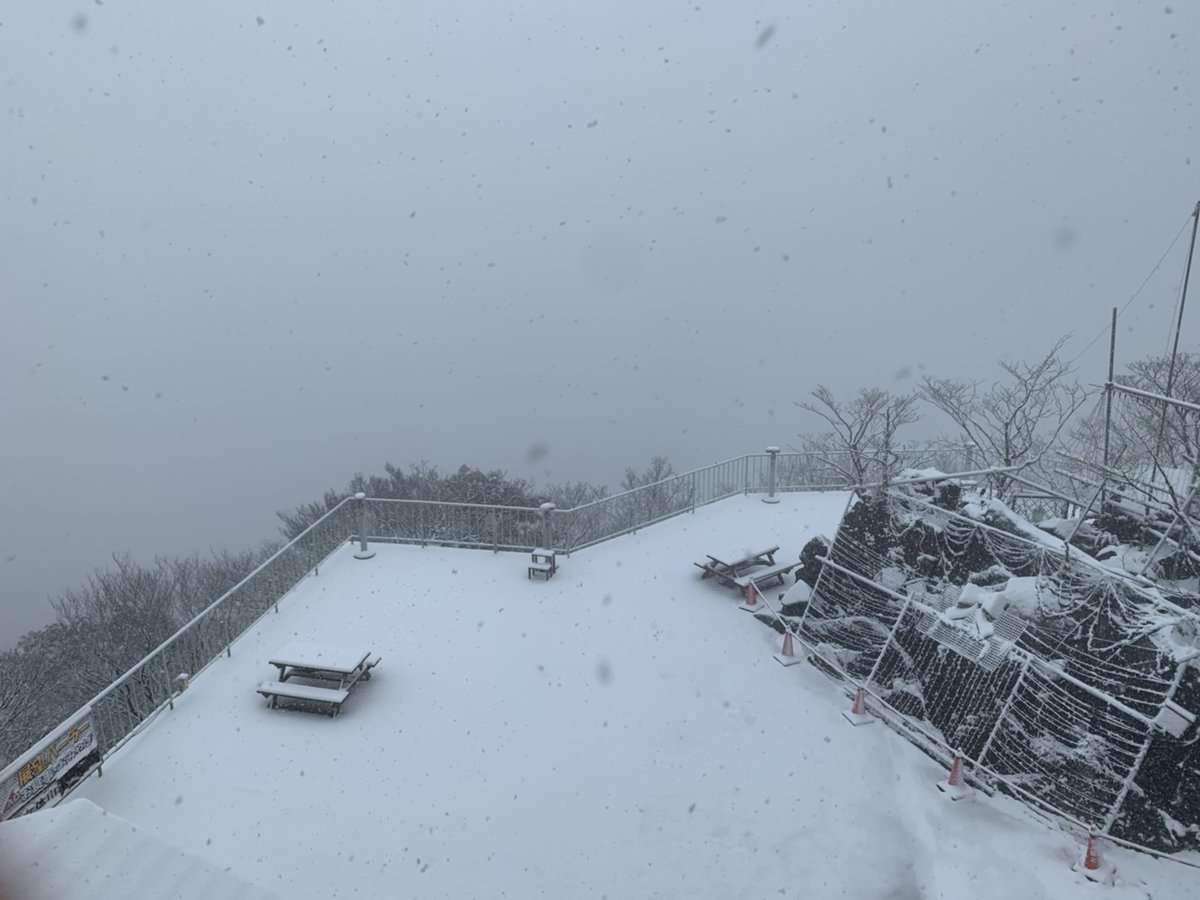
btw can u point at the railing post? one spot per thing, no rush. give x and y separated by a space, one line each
772 452
1016 689
547 528
890 638
363 552
1134 770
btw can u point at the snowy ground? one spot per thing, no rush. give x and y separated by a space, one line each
619 731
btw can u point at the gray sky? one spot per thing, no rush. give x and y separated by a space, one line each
247 250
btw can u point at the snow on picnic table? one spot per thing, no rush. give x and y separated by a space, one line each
621 730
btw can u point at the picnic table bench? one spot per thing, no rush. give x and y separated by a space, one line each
762 577
543 563
308 693
727 573
326 665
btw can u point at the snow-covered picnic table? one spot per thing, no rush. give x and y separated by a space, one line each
728 573
328 665
543 563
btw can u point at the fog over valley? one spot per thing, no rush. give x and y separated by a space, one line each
248 251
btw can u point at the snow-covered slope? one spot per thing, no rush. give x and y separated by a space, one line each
621 730
79 851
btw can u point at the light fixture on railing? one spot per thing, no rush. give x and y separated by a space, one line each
773 453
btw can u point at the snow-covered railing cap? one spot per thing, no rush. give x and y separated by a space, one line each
1174 719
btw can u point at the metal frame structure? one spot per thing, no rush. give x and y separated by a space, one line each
1064 729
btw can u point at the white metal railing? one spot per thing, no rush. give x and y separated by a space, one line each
1063 724
83 742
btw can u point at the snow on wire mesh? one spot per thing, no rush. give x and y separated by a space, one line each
1046 670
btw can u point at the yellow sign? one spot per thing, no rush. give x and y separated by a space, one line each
40 774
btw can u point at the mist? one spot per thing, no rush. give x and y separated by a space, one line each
247 252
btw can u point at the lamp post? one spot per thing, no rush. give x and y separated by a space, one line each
547 530
773 453
363 552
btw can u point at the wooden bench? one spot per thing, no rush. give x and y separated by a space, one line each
307 693
544 563
728 573
765 576
318 662
362 673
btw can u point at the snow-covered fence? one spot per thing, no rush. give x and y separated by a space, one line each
1058 678
622 513
150 685
628 511
827 469
135 697
453 524
1038 506
520 528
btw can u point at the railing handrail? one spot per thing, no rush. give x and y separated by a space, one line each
204 612
790 454
456 503
740 482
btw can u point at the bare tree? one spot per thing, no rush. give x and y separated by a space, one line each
26 680
198 581
570 494
422 481
1015 420
1153 431
654 492
295 521
1150 471
122 614
861 442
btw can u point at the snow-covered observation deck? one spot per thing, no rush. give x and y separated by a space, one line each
83 742
621 729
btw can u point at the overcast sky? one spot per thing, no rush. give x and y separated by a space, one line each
249 249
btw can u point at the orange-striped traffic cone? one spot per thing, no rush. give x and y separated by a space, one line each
787 656
750 603
954 787
955 778
1094 866
1091 856
858 714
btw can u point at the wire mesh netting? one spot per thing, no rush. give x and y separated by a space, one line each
1038 507
1140 459
1048 671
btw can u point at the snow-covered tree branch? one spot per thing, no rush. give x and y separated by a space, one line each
861 439
1012 421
